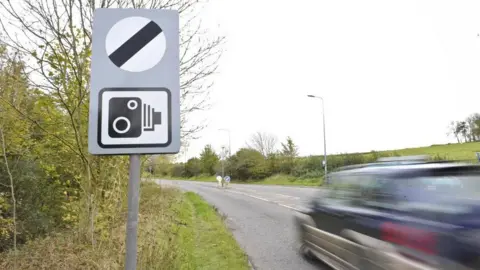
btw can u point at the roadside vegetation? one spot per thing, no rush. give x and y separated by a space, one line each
60 207
176 231
285 167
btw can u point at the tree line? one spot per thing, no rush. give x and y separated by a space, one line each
262 157
467 130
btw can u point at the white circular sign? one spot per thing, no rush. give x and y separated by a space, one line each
135 44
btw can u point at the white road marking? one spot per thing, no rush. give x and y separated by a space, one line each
263 199
256 197
289 207
288 196
260 198
263 192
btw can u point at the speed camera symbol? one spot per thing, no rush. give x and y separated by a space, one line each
131 117
128 117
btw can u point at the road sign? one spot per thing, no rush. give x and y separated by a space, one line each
135 85
135 44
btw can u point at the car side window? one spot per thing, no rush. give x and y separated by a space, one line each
376 192
342 190
360 190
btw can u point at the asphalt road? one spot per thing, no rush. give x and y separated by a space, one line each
261 219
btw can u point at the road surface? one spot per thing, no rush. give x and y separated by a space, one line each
261 220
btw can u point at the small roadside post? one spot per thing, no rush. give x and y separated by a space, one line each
478 156
135 94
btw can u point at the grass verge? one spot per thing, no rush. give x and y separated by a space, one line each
201 178
176 231
209 245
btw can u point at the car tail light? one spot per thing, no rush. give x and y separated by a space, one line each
409 237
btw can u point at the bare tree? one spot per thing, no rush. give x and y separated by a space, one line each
263 142
56 34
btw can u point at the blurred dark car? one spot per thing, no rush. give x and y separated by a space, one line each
418 215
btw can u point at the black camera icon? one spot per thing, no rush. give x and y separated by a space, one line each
126 119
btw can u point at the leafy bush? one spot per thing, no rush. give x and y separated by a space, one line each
194 167
178 170
248 164
40 202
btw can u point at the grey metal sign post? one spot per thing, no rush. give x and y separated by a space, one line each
135 94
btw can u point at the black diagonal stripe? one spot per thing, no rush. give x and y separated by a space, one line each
128 49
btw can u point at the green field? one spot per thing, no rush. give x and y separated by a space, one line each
176 231
458 152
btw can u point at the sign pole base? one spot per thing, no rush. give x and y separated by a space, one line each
133 205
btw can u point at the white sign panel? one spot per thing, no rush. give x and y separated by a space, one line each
138 118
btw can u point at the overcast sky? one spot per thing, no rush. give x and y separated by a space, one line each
393 73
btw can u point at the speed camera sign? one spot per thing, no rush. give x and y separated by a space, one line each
135 85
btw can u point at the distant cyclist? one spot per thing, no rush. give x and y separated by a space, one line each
219 180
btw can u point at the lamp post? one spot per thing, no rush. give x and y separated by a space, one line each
324 137
223 162
229 140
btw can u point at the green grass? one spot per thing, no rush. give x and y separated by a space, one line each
457 151
286 180
207 244
199 178
176 231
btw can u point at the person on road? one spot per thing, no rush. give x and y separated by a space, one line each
219 180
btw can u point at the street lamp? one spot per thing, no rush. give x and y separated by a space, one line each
223 162
229 140
324 137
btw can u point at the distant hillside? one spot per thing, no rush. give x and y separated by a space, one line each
452 151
